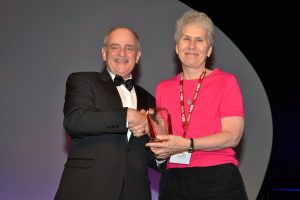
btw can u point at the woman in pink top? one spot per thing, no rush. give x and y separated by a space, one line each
207 113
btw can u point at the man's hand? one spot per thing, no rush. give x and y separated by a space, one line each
137 122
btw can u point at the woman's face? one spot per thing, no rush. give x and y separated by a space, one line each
193 46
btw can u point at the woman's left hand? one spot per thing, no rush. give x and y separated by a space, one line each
169 145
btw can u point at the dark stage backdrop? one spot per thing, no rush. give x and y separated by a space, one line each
267 33
42 41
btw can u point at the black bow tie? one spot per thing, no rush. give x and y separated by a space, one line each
119 81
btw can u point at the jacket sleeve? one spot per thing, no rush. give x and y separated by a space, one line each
81 116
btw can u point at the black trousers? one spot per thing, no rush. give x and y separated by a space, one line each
220 182
122 194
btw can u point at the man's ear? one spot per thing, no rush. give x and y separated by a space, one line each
103 53
139 54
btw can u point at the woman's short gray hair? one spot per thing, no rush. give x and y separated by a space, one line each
193 16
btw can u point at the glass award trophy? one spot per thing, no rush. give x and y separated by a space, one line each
159 121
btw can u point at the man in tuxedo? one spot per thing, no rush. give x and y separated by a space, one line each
104 113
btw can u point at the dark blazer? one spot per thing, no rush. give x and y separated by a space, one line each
100 158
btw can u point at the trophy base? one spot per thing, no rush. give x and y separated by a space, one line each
152 140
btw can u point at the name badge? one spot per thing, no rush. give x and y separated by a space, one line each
181 158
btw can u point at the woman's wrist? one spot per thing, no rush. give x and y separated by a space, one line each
191 145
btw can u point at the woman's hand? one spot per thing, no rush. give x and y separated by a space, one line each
169 145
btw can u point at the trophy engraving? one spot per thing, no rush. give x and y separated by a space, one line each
159 121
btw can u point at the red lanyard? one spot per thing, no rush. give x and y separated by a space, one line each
186 121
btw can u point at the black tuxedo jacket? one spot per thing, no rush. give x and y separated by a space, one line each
101 160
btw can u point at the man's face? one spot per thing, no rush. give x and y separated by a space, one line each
121 52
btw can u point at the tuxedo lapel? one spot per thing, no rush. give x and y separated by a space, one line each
110 90
141 99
